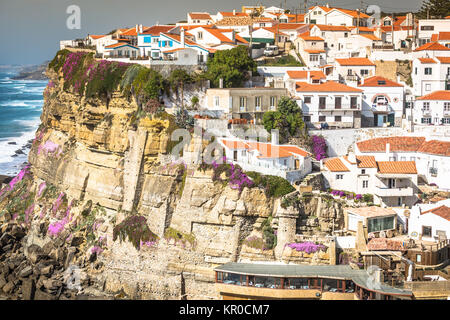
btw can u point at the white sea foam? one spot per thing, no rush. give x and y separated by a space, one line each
8 150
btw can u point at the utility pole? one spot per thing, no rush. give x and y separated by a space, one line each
304 6
392 37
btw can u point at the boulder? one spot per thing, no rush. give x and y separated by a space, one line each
28 289
26 272
41 295
9 287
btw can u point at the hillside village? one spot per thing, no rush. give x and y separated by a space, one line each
373 133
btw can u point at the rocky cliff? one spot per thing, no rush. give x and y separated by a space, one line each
101 197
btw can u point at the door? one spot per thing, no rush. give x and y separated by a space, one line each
297 164
391 183
235 153
322 102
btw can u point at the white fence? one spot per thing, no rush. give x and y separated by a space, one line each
345 242
390 55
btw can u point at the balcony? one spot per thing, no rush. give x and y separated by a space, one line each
394 192
426 112
381 107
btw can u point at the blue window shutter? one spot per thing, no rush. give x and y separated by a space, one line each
171 43
159 44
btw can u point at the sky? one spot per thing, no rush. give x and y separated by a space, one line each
31 29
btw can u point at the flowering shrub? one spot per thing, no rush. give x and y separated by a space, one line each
319 147
179 237
50 147
41 188
254 242
135 229
308 247
234 173
19 177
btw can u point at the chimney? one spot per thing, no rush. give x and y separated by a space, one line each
362 80
221 83
328 5
234 12
233 36
388 149
182 37
140 28
137 28
351 157
308 76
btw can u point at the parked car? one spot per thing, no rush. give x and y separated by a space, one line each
271 51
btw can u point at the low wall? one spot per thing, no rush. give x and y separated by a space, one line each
390 55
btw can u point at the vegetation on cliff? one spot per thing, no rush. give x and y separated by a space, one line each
134 228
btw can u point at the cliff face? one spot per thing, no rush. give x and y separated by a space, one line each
93 165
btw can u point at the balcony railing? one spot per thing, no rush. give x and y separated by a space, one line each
342 106
394 192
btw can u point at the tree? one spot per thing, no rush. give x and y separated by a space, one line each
288 119
437 9
230 65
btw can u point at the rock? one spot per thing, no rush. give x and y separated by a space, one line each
2 282
17 232
28 289
71 252
5 239
26 272
7 288
41 295
7 247
52 284
12 142
76 241
47 271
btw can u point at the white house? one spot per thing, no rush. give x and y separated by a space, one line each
432 157
311 49
431 50
335 16
225 14
430 222
430 74
292 29
199 18
428 27
169 41
392 183
286 161
357 45
441 38
101 41
352 70
121 50
148 40
433 108
212 37
383 102
376 219
330 103
291 78
331 35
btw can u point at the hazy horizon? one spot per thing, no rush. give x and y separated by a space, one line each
32 31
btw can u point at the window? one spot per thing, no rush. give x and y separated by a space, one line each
426 231
200 35
446 120
216 101
349 72
428 71
147 39
426 120
322 118
418 258
307 99
365 184
242 103
402 158
353 102
412 159
273 102
429 28
415 70
379 224
426 106
337 118
346 35
258 103
313 57
363 171
339 176
322 101
446 106
364 72
337 102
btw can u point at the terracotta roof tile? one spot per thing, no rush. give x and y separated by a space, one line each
386 244
335 165
200 15
355 62
303 74
436 95
313 51
266 150
436 147
442 36
95 37
427 60
290 26
366 161
325 27
307 37
442 211
235 14
329 86
445 60
397 144
377 81
156 30
401 167
433 46
370 37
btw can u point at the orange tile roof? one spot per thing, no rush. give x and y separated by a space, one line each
329 86
442 211
447 17
296 18
233 144
95 37
303 74
445 60
443 35
355 62
326 9
436 95
200 15
231 14
306 36
397 144
366 161
396 28
372 211
353 13
156 30
119 44
314 51
433 46
325 27
401 167
335 165
173 50
266 150
177 38
375 82
436 147
427 60
370 37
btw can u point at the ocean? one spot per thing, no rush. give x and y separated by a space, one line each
21 104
